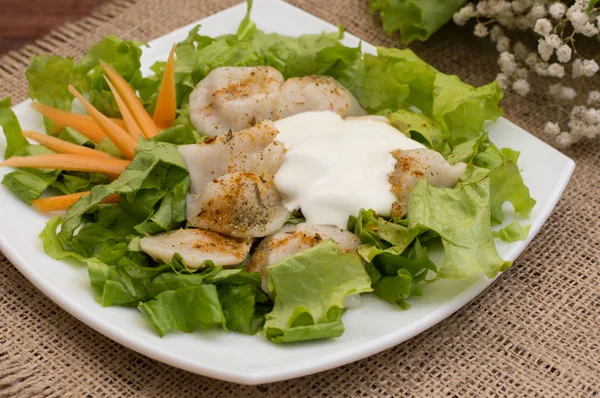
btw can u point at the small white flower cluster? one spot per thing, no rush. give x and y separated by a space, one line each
556 26
583 122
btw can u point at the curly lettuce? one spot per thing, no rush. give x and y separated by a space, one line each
415 19
309 289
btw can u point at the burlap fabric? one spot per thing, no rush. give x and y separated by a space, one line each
534 332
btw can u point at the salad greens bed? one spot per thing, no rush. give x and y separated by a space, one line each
309 288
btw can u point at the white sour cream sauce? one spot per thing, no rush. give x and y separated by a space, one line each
334 167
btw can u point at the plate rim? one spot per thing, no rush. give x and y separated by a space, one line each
305 367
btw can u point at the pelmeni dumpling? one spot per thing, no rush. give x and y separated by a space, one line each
196 246
242 205
316 93
234 98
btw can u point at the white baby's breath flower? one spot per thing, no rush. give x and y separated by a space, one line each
507 63
588 30
542 27
521 87
577 68
496 33
502 7
557 10
564 140
480 30
503 81
592 116
503 44
551 128
462 16
544 49
541 68
521 73
484 8
560 92
531 59
520 51
524 22
590 67
594 97
553 41
556 70
521 6
581 4
577 17
563 53
577 112
538 11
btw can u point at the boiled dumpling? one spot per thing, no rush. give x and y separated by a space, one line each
230 99
196 246
234 98
316 93
238 204
231 152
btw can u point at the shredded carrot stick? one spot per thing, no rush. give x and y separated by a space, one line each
130 123
116 134
132 101
60 146
85 119
166 104
80 123
64 202
68 162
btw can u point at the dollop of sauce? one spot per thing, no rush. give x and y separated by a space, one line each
334 167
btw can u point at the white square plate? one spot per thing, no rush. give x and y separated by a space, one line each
253 359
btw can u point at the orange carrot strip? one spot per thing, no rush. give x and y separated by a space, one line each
85 126
64 202
130 124
68 162
166 104
116 134
60 146
76 121
132 101
85 119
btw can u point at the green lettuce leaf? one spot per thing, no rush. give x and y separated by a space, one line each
179 135
461 109
239 307
309 289
52 244
185 309
420 128
28 184
512 232
415 19
396 277
461 216
15 140
506 185
126 283
376 83
378 235
50 76
157 165
74 137
466 151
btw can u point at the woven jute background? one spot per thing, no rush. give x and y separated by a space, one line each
534 332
